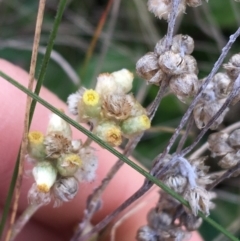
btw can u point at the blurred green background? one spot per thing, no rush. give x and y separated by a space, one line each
128 33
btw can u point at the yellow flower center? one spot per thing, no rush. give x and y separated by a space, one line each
114 136
144 120
35 137
43 188
73 159
90 97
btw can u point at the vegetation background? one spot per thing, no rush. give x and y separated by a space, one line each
129 31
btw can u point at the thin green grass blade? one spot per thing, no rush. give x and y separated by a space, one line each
43 69
116 153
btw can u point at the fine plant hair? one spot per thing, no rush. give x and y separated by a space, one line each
116 118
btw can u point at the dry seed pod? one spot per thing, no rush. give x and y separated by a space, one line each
182 44
145 233
234 138
158 219
204 111
160 8
147 66
172 63
218 144
229 160
184 85
194 3
160 46
191 65
190 221
176 182
221 83
233 66
158 78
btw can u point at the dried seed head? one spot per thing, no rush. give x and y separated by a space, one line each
190 221
158 219
229 160
147 66
56 144
68 164
160 8
158 78
218 144
110 133
172 63
182 44
176 182
117 107
87 171
199 200
221 83
234 139
233 66
64 190
194 3
160 46
36 197
145 233
204 111
44 175
184 85
191 65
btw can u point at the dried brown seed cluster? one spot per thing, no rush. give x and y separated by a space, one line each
211 101
226 146
162 8
177 65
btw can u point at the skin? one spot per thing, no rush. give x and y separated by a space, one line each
58 223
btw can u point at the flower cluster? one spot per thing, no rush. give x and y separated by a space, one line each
59 163
177 66
162 8
113 111
226 146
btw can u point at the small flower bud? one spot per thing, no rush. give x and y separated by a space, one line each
44 175
145 233
64 190
172 63
147 66
191 65
36 148
233 66
90 106
57 124
117 107
194 3
229 160
184 85
68 164
106 84
135 125
182 44
221 84
218 144
234 138
123 79
190 221
109 132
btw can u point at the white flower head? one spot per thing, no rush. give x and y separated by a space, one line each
57 124
73 101
36 197
44 175
106 84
